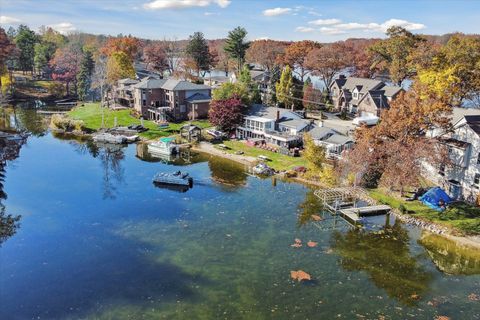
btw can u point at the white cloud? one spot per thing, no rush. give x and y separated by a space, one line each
183 4
340 28
63 27
9 20
411 26
331 31
325 22
314 13
276 11
262 38
304 29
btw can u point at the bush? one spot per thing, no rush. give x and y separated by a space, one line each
402 209
60 122
56 89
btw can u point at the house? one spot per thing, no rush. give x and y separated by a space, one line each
123 92
171 99
334 142
361 95
281 127
460 177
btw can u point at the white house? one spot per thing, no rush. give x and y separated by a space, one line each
334 142
461 177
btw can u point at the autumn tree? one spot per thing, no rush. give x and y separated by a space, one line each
222 59
391 153
454 72
361 57
296 54
314 155
236 46
228 90
197 50
155 57
25 40
327 62
128 45
66 64
84 77
265 53
284 88
50 41
312 97
119 66
173 54
226 114
6 48
392 54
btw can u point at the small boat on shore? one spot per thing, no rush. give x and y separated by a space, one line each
165 146
176 179
109 138
263 169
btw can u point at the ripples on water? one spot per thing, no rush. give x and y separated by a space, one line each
98 240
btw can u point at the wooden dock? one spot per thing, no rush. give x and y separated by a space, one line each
356 214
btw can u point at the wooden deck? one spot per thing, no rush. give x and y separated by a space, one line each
355 214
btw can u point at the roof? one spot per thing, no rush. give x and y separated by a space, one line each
378 98
190 127
319 133
199 98
181 85
294 123
338 139
474 123
127 81
455 143
459 113
262 111
391 91
150 83
363 84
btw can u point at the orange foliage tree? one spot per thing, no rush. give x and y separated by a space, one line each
295 56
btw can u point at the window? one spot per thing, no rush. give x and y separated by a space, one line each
355 95
441 170
476 180
144 102
167 97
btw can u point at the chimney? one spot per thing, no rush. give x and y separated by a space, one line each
278 115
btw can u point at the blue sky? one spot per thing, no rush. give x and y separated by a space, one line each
321 20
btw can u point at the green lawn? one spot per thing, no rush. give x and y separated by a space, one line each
91 115
278 161
460 216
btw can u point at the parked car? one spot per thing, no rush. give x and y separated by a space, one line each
216 133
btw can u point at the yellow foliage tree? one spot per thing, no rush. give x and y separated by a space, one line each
315 156
119 66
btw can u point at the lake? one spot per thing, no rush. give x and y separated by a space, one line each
97 240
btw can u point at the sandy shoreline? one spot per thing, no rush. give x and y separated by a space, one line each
209 148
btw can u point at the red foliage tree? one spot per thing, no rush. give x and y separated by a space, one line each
66 64
296 54
265 52
155 57
226 114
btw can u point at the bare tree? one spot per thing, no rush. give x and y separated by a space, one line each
173 53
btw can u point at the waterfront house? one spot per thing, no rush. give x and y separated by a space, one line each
123 92
334 142
362 96
281 127
171 99
460 176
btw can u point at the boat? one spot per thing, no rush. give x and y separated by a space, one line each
262 169
178 178
109 138
164 146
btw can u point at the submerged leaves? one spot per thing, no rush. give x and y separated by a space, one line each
300 275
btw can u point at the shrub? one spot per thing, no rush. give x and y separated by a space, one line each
56 89
68 125
402 209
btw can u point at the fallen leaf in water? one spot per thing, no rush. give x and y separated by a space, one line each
414 296
473 297
316 218
296 245
442 318
312 244
298 240
300 275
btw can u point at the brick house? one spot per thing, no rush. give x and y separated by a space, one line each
171 99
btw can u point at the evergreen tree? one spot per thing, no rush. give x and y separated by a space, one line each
284 88
25 40
274 78
84 77
236 46
197 50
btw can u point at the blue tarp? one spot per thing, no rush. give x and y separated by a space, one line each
433 197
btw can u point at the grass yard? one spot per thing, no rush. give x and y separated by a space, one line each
91 115
278 161
460 216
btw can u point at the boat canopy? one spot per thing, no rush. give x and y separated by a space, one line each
434 198
167 140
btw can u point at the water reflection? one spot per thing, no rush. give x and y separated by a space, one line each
22 118
227 173
311 205
449 256
385 256
10 145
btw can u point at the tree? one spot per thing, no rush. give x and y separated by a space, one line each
229 90
50 41
274 78
454 72
197 50
236 46
392 152
296 54
265 52
99 77
6 48
66 64
393 53
25 40
284 88
119 66
361 57
173 53
155 57
327 62
128 45
314 155
312 97
222 60
226 114
84 77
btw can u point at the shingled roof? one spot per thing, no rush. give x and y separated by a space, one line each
474 123
180 85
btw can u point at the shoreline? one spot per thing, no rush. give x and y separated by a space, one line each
424 225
